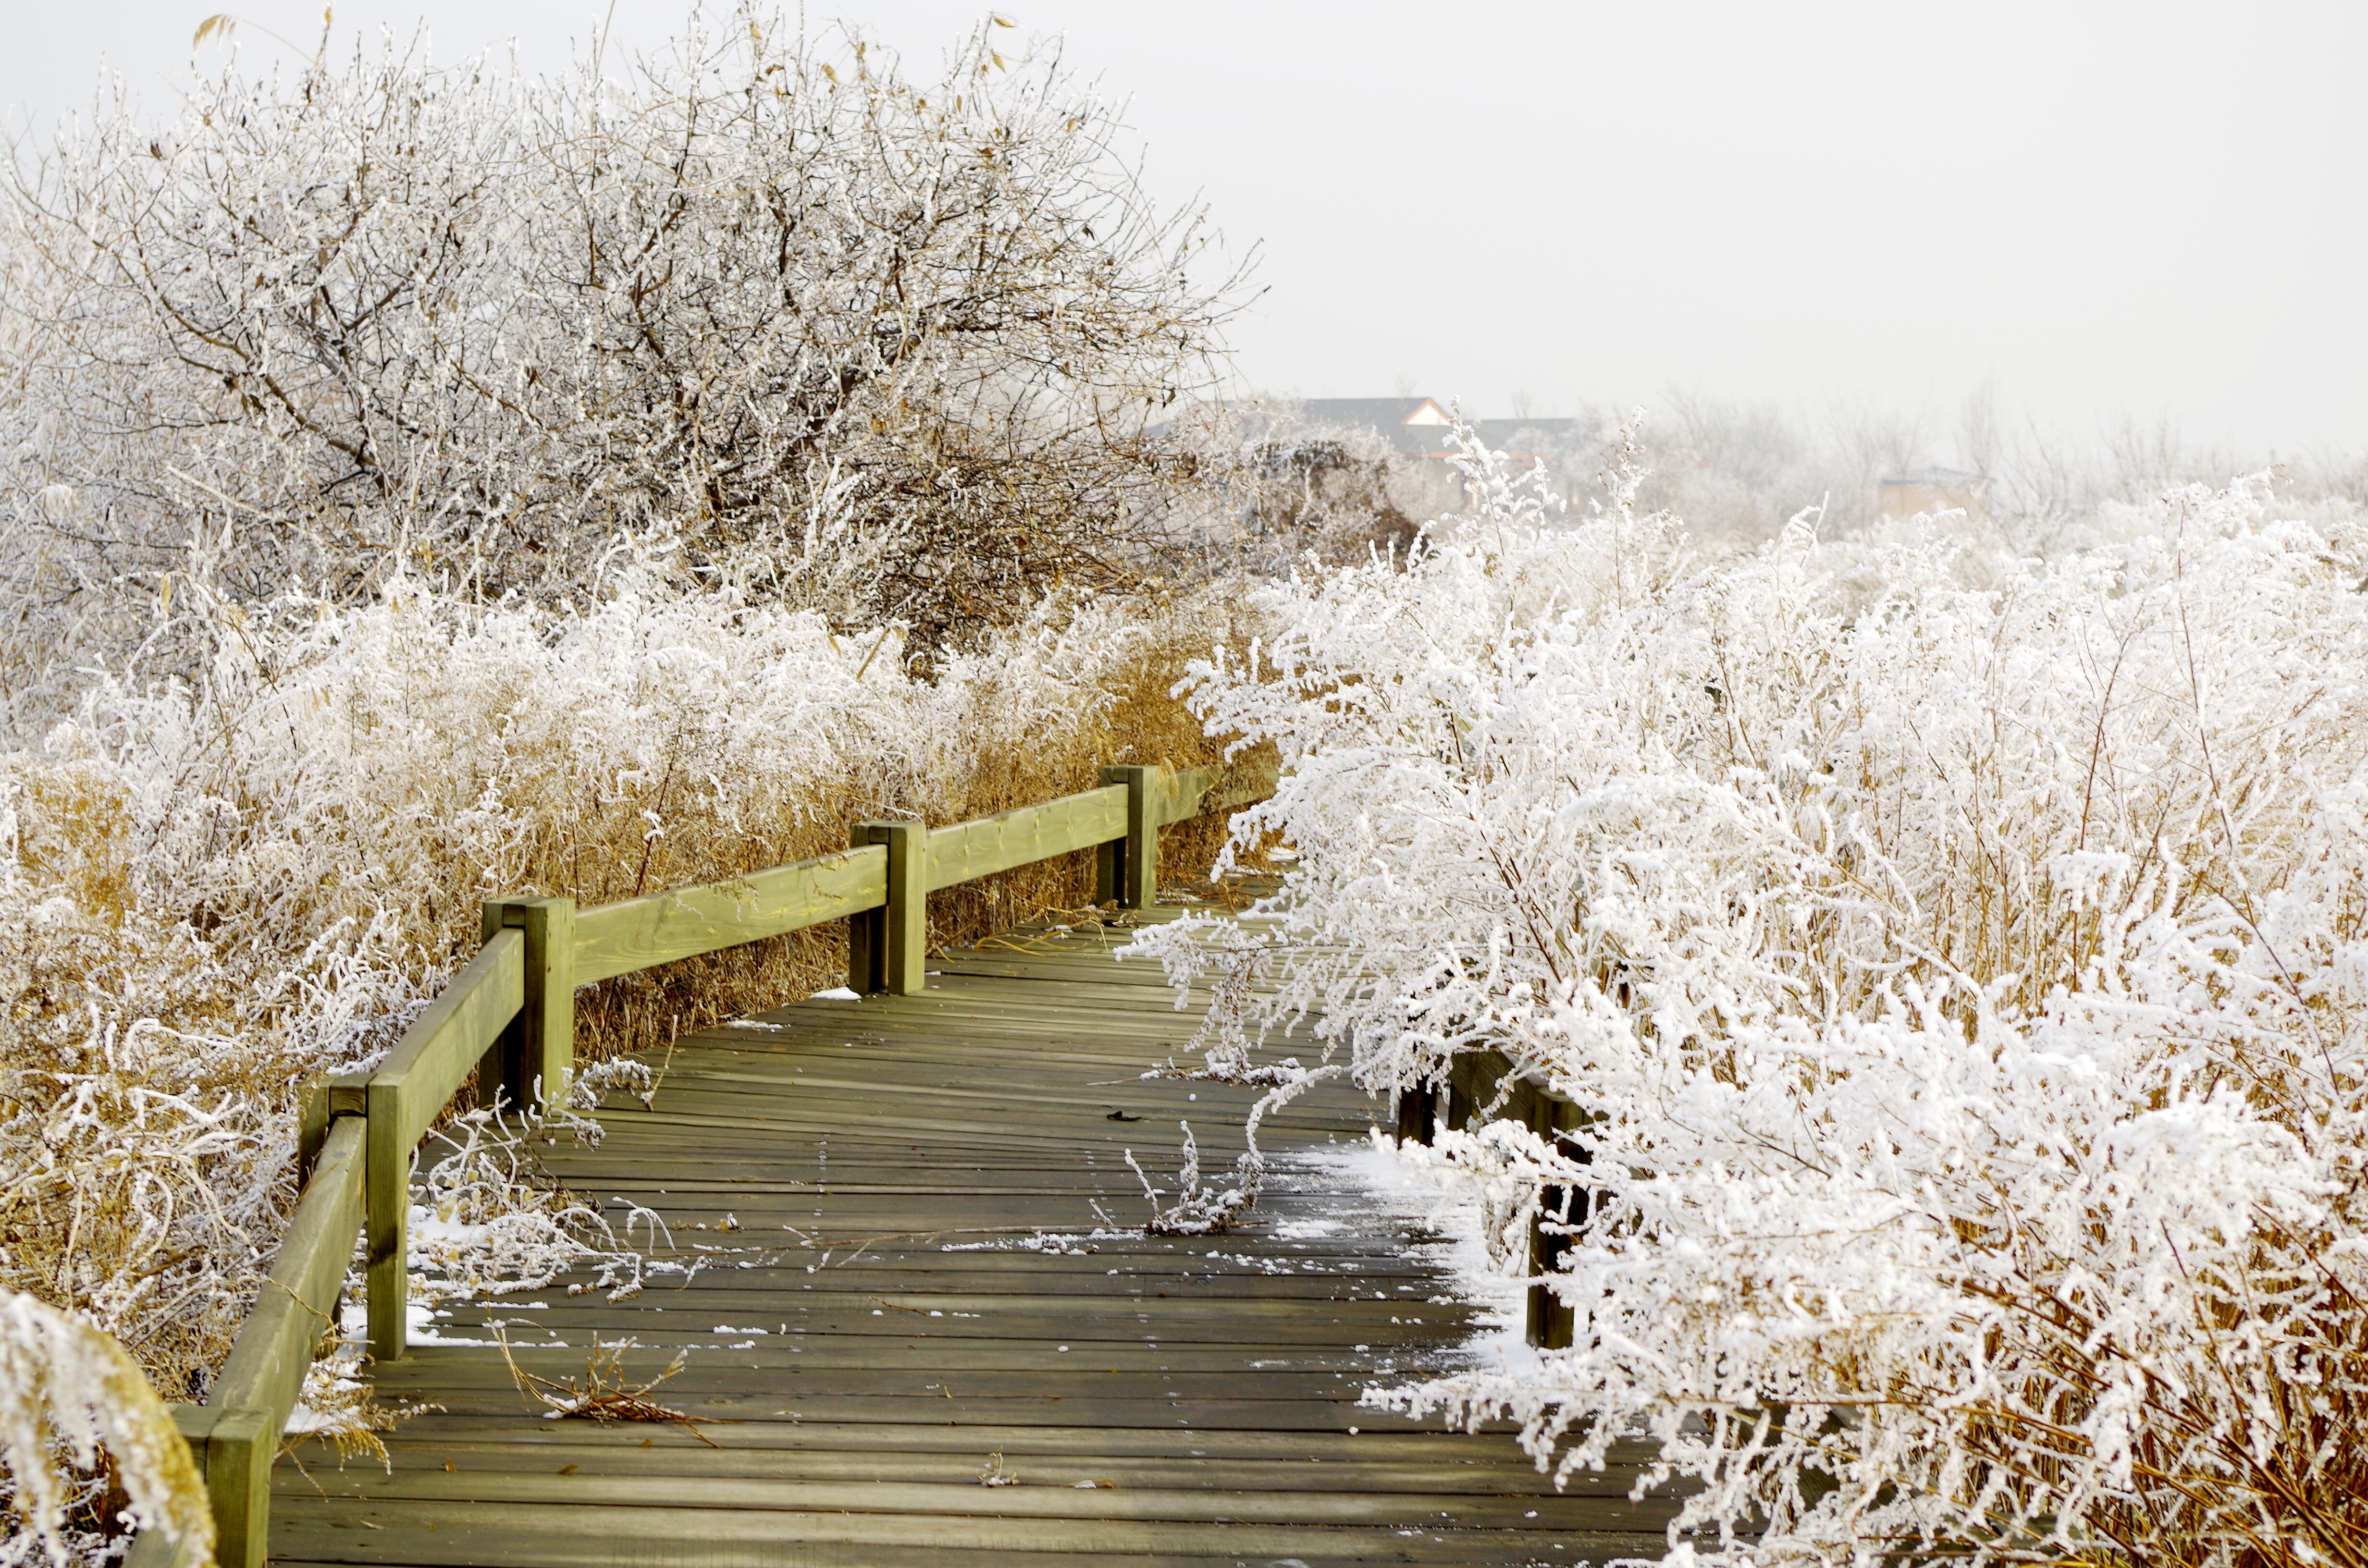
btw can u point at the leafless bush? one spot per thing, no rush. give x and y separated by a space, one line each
890 349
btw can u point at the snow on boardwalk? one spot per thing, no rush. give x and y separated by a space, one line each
925 1277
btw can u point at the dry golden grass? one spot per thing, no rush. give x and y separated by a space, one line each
606 1394
209 900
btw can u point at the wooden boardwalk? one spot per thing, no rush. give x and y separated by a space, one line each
914 1289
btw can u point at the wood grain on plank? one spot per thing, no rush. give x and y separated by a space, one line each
987 845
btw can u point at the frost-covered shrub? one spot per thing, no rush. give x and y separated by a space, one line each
67 1389
897 339
1735 470
1967 985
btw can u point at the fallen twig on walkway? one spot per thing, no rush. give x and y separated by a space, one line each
603 1396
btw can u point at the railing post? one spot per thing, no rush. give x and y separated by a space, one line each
311 1127
886 947
325 1100
386 1206
240 1448
867 933
1551 1324
536 1055
1129 871
1459 1096
1109 870
1417 1108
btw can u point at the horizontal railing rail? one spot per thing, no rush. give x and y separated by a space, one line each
507 1020
617 938
988 844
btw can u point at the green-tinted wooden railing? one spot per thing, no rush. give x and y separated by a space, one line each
508 1019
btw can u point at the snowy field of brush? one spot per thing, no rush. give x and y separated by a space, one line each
208 895
1953 928
1967 988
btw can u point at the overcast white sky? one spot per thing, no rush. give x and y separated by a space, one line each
2106 211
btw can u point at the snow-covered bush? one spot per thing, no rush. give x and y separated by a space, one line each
65 1388
1737 469
1967 987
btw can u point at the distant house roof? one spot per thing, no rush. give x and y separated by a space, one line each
1920 490
1420 425
1379 412
1410 424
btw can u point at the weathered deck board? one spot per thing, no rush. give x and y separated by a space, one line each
892 1169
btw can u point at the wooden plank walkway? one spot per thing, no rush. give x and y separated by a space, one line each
1156 1400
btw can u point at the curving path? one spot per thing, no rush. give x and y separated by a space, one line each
920 1292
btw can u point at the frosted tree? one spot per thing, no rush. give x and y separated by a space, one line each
888 348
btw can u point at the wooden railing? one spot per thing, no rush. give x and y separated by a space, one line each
507 1020
1483 1087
